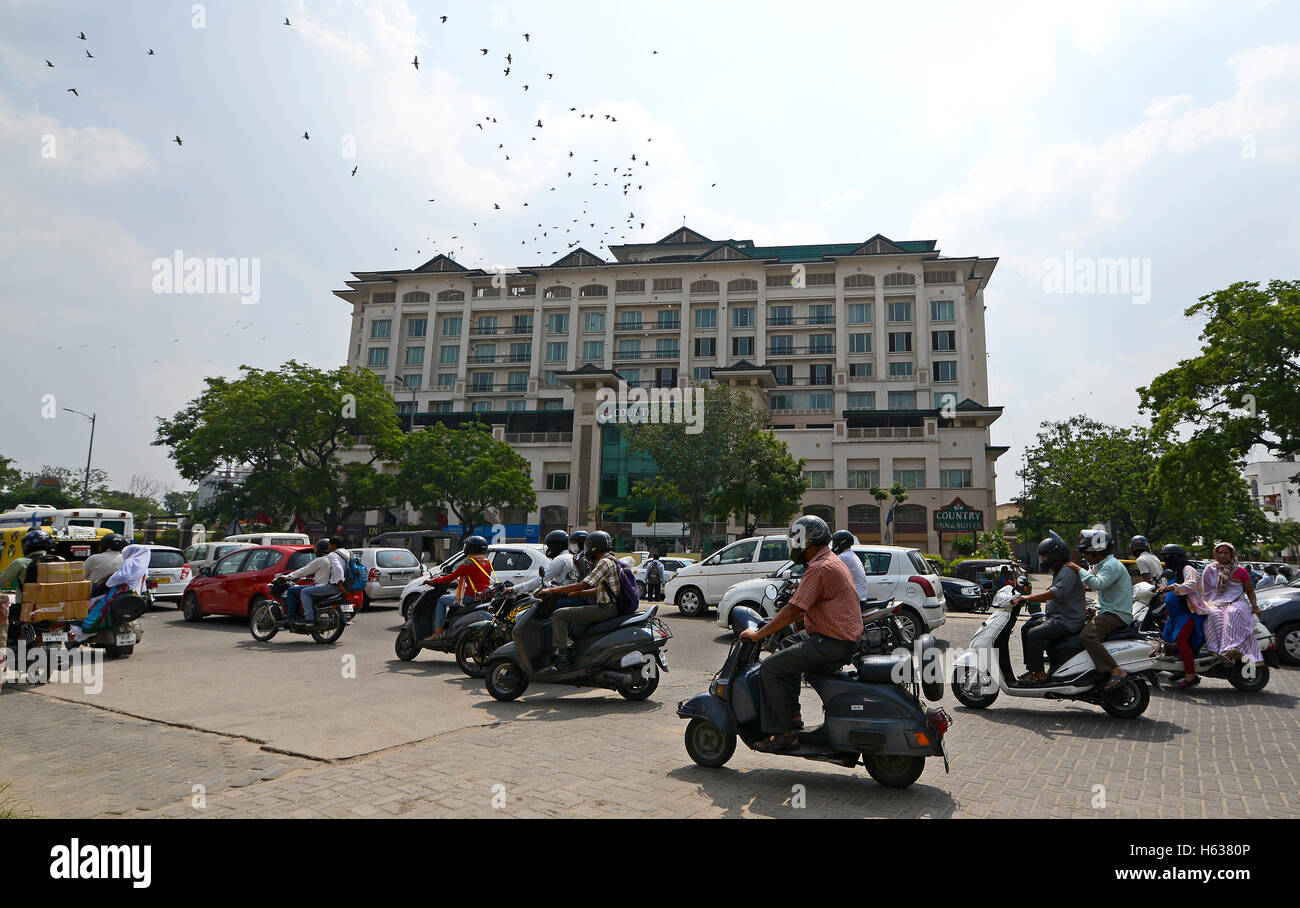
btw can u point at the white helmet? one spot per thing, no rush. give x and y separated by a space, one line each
1095 540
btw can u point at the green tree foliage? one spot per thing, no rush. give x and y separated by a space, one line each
289 427
896 495
10 476
768 484
466 469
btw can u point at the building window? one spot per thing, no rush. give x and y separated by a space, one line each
378 356
666 378
862 400
859 343
742 346
860 370
481 381
440 406
557 351
706 346
515 406
780 315
417 327
954 479
631 376
521 352
666 283
629 321
819 374
781 402
668 347
942 311
523 324
900 342
859 280
700 373
941 277
706 318
557 482
449 355
742 285
704 287
517 381
821 344
551 377
945 371
557 293
912 479
552 404
668 320
902 400
900 370
451 326
413 380
780 344
485 324
381 328
821 315
742 316
481 406
900 312
629 286
593 351
900 279
593 321
784 374
943 340
451 296
446 379
820 479
558 323
594 290
415 356
946 401
864 479
859 314
821 400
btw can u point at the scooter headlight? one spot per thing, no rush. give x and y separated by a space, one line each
719 689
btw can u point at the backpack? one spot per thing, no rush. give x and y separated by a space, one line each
355 574
654 571
628 599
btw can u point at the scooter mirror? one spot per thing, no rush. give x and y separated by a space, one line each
771 591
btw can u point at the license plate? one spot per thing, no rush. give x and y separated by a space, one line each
126 639
54 638
161 580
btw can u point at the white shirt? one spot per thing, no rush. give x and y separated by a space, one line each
101 566
559 571
319 568
854 564
1266 580
1150 564
338 564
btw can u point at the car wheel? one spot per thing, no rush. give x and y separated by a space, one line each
1288 643
910 625
690 602
640 589
190 607
407 603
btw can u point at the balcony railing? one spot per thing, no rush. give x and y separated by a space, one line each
802 350
896 433
675 325
651 383
499 358
620 355
778 320
816 382
792 411
502 329
526 438
478 388
893 377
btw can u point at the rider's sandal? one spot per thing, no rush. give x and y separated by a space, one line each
778 743
1115 682
1188 682
1032 678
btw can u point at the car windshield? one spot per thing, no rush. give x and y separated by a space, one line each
165 558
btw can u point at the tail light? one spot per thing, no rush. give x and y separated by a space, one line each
925 585
185 571
939 720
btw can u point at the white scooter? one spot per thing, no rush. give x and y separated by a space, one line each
985 669
1242 674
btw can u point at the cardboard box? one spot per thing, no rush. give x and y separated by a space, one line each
60 571
79 589
41 593
44 612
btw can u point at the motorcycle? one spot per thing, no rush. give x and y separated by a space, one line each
267 618
874 713
881 631
1243 675
482 638
415 633
51 631
624 653
985 669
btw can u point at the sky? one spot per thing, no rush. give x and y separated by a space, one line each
1166 134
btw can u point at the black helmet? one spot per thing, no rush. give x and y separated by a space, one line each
113 542
841 540
1053 552
322 547
807 530
1139 544
1096 541
37 541
476 545
1174 556
556 542
578 540
598 543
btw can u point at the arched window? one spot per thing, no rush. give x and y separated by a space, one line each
594 290
860 280
415 296
704 287
555 517
558 293
864 518
910 518
900 279
742 285
450 296
825 512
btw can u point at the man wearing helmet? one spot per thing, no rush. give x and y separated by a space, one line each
38 546
319 569
102 565
558 570
1148 565
1064 611
578 549
842 545
600 583
472 576
1114 599
828 604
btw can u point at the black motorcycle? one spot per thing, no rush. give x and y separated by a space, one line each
482 638
267 618
417 633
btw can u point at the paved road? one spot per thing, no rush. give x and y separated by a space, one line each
278 730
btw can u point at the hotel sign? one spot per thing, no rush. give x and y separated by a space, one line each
958 518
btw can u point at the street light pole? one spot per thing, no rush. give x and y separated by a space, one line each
85 487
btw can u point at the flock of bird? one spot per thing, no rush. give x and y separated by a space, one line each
625 177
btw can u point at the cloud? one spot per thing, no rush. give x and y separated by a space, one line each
96 155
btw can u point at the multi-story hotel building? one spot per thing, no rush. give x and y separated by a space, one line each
869 356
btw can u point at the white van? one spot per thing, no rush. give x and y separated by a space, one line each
37 515
270 538
695 587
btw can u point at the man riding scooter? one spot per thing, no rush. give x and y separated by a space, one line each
601 582
828 604
1114 599
319 569
1064 611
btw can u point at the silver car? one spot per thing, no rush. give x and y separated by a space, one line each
390 569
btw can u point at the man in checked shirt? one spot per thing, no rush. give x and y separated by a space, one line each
828 604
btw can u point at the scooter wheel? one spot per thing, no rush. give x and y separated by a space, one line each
261 623
645 682
1249 677
894 771
1129 700
404 646
969 692
505 680
707 744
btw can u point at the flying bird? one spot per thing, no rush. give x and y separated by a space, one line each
286 20
49 64
508 59
82 36
550 75
178 141
525 36
305 135
416 61
90 55
483 51
507 70
444 19
496 206
74 91
539 124
151 53
354 171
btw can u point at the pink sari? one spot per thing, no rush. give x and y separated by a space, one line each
1229 622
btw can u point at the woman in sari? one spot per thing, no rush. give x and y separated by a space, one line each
129 579
1228 599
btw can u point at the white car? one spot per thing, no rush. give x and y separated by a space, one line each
169 569
696 587
893 572
672 564
511 562
203 554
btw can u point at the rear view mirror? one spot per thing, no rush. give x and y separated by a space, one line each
770 591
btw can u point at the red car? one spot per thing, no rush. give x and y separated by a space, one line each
238 581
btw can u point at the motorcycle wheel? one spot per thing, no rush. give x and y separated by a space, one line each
504 680
642 685
894 772
260 622
968 691
119 652
331 635
1251 683
404 646
474 648
708 745
1129 700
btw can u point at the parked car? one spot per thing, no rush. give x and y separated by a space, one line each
390 570
207 553
893 572
963 595
696 587
240 579
1280 613
984 572
672 564
511 562
169 570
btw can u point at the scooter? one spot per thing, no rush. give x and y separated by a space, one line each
267 618
873 713
985 669
1243 675
416 633
624 653
482 638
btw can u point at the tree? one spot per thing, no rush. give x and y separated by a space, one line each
1240 391
992 545
10 476
289 427
769 483
73 480
898 492
466 469
179 502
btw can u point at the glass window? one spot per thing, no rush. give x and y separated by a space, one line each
706 318
900 312
517 381
511 561
415 356
820 479
862 400
558 323
706 346
481 406
784 374
485 324
859 313
260 560
863 479
943 340
523 324
629 321
701 373
820 400
417 327
780 344
631 376
593 321
859 343
821 344
819 374
299 560
954 479
381 328
378 356
860 370
413 380
163 558
875 563
947 402
902 400
668 320
780 315
446 379
593 351
668 347
557 482
942 311
774 550
739 553
820 315
449 355
742 316
900 342
900 370
912 479
945 371
557 351
515 406
441 406
742 346
451 326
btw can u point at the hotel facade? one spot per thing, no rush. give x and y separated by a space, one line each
870 358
